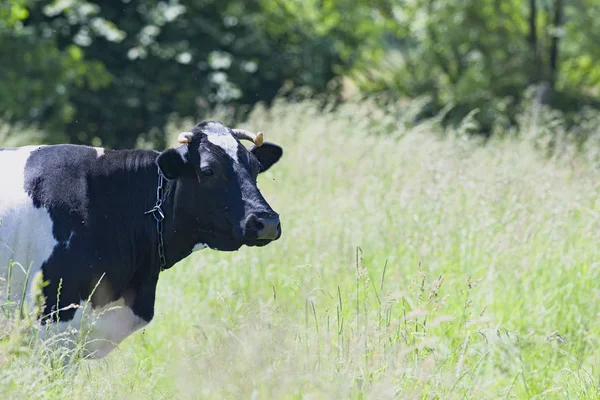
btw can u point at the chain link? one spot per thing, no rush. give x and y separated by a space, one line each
159 216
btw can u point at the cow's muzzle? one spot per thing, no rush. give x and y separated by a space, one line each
263 227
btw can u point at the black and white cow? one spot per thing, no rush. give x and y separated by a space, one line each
80 216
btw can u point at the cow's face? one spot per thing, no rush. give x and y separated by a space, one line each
215 187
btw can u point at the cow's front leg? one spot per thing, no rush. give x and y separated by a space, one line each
111 324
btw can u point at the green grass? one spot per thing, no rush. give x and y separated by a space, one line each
412 265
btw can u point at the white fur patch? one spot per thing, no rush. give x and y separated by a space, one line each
25 231
105 328
199 246
227 143
99 151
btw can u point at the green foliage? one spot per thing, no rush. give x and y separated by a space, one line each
580 67
113 72
468 54
485 54
36 81
12 12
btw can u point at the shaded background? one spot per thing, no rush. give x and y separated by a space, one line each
115 72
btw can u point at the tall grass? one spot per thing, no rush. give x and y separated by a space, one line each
413 264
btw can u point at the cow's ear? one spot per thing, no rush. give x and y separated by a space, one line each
267 154
171 163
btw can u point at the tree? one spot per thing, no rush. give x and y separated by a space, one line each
37 72
121 69
484 54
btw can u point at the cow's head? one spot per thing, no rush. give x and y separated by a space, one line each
215 186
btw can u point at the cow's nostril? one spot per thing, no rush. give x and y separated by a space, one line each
259 225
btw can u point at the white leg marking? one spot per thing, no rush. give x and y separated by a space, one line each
104 328
99 151
199 246
25 231
227 143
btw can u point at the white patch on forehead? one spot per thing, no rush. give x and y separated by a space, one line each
25 231
199 246
226 142
99 151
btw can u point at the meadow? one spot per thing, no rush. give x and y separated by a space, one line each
414 264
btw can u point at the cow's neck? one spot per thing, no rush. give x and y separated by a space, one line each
178 232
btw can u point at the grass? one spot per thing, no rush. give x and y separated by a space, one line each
412 265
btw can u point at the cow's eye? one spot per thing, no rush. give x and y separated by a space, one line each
207 172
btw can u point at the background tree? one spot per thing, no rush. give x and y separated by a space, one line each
484 55
114 72
111 72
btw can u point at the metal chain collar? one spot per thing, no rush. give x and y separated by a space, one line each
159 216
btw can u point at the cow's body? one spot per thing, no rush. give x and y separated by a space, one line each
77 214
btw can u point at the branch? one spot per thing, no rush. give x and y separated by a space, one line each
558 9
533 41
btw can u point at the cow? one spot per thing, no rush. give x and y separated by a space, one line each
101 225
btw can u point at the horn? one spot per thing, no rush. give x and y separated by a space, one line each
242 134
185 137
